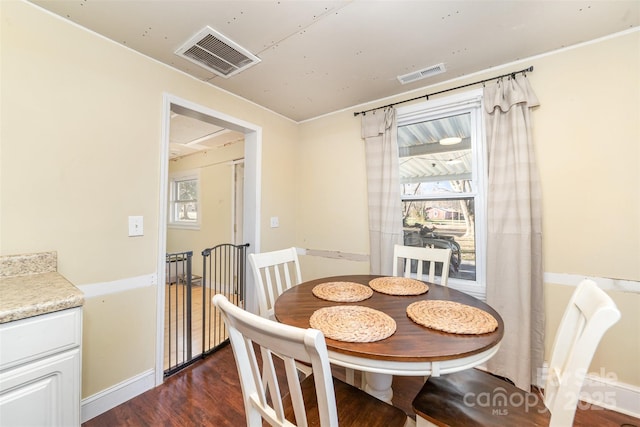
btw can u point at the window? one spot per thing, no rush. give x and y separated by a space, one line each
442 178
184 208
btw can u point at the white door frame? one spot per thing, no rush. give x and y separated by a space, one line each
236 237
252 190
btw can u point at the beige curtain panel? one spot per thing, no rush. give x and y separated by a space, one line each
514 239
383 188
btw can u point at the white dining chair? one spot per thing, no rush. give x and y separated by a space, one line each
404 257
474 397
274 273
319 400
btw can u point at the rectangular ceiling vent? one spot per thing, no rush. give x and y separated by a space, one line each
422 74
217 53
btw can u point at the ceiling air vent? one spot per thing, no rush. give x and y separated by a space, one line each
422 74
216 53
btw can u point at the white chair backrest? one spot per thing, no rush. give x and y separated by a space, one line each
273 339
404 255
274 273
589 314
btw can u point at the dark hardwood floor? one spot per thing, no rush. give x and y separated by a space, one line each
208 394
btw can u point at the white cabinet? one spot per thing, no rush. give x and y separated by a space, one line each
40 365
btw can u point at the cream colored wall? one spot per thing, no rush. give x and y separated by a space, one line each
109 323
586 134
279 188
80 123
332 195
216 198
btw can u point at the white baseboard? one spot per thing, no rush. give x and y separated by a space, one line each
111 397
619 397
606 393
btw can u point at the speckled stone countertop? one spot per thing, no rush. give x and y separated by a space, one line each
30 286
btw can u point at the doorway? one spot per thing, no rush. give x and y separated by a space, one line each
249 195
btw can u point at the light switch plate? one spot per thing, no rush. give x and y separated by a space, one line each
135 226
275 222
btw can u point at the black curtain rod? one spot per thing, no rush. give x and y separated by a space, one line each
526 70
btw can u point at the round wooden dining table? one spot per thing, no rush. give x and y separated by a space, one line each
412 350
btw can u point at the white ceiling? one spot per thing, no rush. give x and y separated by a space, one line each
189 135
322 56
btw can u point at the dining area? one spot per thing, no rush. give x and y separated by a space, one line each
404 325
428 380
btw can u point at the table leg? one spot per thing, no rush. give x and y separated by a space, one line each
379 385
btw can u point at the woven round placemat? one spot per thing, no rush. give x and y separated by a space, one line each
450 316
342 291
353 323
398 286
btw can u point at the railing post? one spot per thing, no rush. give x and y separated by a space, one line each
189 306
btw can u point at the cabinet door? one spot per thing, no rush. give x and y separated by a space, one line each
42 393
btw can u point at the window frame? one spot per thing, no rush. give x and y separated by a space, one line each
468 102
174 179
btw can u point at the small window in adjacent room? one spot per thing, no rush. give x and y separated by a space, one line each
442 173
184 208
